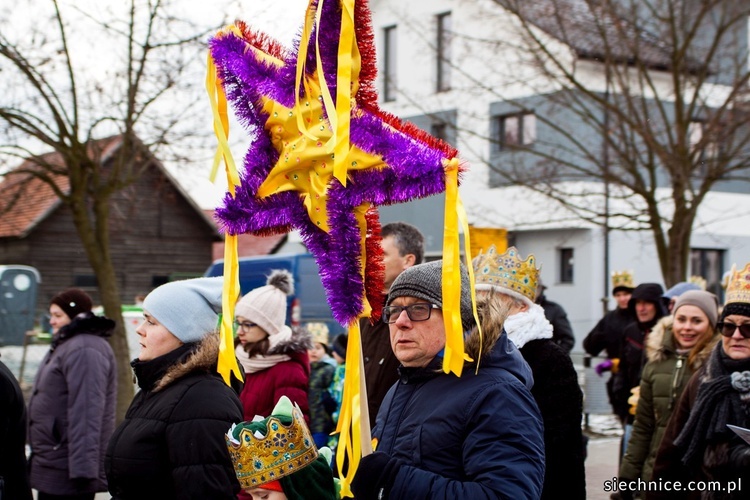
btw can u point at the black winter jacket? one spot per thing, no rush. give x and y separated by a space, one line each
171 444
12 438
562 331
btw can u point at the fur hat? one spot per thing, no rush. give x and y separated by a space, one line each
266 306
425 281
705 301
73 302
189 309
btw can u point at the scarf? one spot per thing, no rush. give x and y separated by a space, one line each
723 398
258 362
528 325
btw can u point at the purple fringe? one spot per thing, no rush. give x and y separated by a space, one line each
411 168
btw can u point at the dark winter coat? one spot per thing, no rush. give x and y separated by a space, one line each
320 400
477 436
13 471
723 461
560 402
72 409
562 331
632 357
663 381
608 333
381 365
289 378
171 444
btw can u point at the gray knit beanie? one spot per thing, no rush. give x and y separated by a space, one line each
189 309
424 281
705 301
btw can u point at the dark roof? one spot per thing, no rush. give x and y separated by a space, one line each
585 27
26 200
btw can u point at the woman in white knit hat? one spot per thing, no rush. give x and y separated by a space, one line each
273 355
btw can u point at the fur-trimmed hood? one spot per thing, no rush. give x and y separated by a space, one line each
660 344
301 340
203 358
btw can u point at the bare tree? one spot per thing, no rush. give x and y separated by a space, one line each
58 96
634 109
667 125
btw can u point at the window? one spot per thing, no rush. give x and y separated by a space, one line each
439 130
566 265
443 45
389 64
709 264
85 281
514 130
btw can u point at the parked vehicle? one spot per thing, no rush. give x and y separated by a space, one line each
307 304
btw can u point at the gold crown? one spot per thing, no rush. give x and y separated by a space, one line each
507 271
738 287
622 278
284 449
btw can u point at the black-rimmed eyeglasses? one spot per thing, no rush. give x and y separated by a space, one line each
416 312
727 329
245 326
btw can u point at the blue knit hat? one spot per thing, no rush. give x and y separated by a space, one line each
189 309
680 288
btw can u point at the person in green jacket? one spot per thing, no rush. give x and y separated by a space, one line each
675 349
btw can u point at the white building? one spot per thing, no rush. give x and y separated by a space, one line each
466 102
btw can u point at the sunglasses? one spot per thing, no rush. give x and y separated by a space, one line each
727 329
416 312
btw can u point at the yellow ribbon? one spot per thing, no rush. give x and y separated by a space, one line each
354 420
227 362
453 360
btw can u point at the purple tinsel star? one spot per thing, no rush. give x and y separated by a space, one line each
409 163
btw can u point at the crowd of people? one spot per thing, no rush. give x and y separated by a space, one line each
509 427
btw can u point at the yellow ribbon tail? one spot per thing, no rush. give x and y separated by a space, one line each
354 421
221 124
227 363
453 360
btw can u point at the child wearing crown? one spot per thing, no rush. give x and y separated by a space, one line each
275 458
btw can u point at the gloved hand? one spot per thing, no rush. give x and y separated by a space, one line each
374 477
604 366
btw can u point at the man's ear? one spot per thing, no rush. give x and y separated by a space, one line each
409 260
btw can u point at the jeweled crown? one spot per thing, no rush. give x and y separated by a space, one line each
507 272
622 278
284 449
738 287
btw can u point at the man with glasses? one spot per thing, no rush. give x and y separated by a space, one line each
438 435
403 247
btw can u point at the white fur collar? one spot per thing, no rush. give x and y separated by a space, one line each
529 325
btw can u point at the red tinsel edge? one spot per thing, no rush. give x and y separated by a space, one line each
262 41
374 268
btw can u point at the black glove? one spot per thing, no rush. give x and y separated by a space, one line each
374 477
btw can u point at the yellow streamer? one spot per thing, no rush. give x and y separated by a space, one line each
354 420
454 335
227 362
221 124
464 220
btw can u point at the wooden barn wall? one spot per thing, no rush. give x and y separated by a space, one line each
155 234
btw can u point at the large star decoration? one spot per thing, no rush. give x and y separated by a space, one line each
288 179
